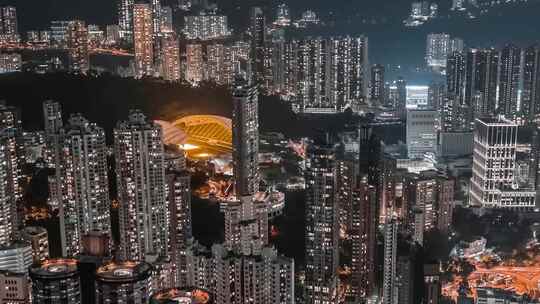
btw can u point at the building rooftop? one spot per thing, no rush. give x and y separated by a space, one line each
181 296
54 269
123 272
495 121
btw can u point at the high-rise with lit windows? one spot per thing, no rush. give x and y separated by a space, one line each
138 147
322 225
493 183
85 185
170 58
143 39
77 41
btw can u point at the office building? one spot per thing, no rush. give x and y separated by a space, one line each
322 258
170 58
194 63
206 26
377 84
143 39
493 183
10 63
15 257
401 98
389 294
39 241
140 195
421 133
85 184
124 282
56 280
77 42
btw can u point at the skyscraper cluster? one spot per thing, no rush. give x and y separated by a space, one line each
245 268
206 26
323 75
484 82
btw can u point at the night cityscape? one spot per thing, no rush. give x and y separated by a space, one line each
270 152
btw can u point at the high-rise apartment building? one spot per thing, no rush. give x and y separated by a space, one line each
244 269
332 74
85 185
125 19
377 84
283 15
245 124
39 241
322 225
194 63
77 42
493 182
8 24
170 58
156 15
143 39
401 100
439 46
481 77
389 290
257 28
509 81
363 236
12 156
437 49
530 96
10 63
167 19
138 147
179 201
206 26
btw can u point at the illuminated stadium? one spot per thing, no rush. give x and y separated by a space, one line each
200 135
